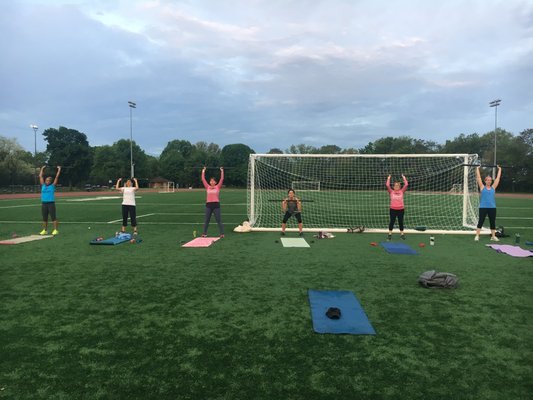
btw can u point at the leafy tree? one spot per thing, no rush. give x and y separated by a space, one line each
330 149
123 151
106 165
275 150
302 149
70 149
235 158
400 145
15 163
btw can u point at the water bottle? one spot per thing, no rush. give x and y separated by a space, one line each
431 241
517 238
194 234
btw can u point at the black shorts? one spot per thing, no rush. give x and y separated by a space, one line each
48 209
288 214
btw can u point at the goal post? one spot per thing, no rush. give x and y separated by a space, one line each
342 191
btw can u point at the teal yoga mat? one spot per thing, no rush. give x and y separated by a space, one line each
122 238
353 319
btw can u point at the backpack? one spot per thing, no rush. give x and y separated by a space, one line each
500 232
434 279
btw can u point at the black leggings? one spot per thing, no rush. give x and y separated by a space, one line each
393 215
48 209
483 212
210 209
288 214
133 215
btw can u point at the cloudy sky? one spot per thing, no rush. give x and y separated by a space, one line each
267 73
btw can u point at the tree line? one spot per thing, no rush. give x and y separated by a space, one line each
181 161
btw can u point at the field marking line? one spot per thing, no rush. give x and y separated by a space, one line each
83 199
22 205
119 220
138 216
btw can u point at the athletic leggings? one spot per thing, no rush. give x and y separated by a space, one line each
48 208
213 208
393 215
133 215
483 212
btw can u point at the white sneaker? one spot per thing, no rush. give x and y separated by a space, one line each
476 238
494 239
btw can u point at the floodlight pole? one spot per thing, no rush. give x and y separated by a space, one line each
132 105
495 104
35 128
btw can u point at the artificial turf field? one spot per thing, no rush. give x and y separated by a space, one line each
156 321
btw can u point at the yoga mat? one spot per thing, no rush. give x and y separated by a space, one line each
294 242
201 242
353 319
515 251
397 248
122 238
25 239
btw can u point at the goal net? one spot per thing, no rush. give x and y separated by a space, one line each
300 186
342 191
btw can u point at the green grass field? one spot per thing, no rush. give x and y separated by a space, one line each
157 321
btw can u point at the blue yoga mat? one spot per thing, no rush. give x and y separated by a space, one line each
112 241
353 319
397 248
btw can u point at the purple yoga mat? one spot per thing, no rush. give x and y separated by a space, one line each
515 251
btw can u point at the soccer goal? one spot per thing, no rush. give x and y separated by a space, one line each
342 191
168 187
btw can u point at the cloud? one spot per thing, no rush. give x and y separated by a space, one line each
268 74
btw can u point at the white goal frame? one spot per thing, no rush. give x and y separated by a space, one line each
469 210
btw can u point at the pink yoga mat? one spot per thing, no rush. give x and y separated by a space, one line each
201 242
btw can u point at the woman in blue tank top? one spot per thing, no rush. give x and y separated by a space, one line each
48 205
487 203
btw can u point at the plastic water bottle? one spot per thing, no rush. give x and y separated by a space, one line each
193 233
517 238
431 241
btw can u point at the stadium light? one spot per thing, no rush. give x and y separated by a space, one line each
35 128
132 105
495 104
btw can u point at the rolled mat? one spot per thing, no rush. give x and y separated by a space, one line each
353 319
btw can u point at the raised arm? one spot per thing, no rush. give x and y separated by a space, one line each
388 183
57 175
41 179
405 183
117 186
478 179
136 183
219 184
497 181
204 182
284 205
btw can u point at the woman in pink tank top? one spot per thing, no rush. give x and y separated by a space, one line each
212 205
396 204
